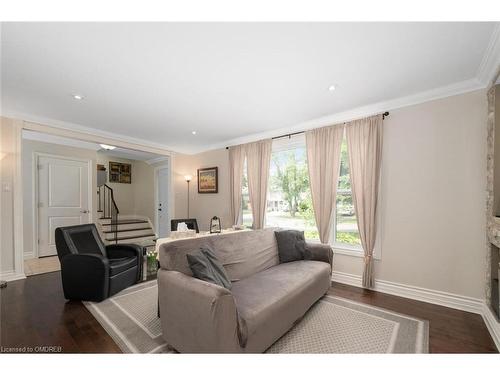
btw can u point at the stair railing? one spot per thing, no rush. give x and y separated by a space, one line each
109 209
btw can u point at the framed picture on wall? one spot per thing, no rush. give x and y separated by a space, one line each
208 180
120 172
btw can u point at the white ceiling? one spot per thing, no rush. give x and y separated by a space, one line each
118 152
157 82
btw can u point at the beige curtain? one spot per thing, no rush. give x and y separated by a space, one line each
258 161
236 162
364 141
323 159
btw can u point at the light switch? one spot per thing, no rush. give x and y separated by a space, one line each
6 187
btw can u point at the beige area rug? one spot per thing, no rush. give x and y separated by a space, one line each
37 266
332 325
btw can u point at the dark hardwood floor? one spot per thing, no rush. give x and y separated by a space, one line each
35 314
450 330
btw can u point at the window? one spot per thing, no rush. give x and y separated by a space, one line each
345 233
289 203
245 199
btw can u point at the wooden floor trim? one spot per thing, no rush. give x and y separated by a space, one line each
492 324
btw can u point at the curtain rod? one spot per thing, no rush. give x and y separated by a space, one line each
384 115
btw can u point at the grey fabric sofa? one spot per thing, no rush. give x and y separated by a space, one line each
266 299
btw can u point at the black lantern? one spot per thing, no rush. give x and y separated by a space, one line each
215 226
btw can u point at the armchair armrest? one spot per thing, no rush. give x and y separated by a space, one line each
127 250
123 250
320 252
85 277
197 316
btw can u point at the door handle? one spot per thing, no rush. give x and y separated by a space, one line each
85 211
159 209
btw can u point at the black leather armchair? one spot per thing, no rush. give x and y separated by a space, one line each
92 271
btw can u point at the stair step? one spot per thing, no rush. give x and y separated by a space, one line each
137 226
143 241
129 234
145 236
126 230
125 221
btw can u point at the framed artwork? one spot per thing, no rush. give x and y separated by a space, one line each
208 180
120 172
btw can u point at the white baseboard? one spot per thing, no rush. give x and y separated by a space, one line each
454 301
11 276
436 297
29 255
492 324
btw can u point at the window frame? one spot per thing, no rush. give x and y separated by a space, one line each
340 248
287 144
243 172
357 250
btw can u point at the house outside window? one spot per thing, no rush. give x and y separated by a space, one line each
247 219
345 227
289 203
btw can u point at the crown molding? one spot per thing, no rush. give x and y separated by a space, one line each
88 131
157 160
360 112
485 76
489 65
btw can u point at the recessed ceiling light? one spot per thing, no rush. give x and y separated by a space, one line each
77 97
193 132
107 147
332 88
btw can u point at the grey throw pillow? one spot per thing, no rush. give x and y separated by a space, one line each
205 266
291 245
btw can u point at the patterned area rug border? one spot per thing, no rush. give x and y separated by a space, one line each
332 325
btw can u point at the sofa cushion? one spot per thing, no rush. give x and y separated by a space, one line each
291 245
242 253
269 302
205 266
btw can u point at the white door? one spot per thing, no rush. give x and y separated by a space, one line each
163 222
63 193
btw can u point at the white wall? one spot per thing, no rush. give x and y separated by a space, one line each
123 193
202 206
136 198
144 189
433 196
7 170
29 147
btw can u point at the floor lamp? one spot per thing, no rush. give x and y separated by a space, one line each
188 179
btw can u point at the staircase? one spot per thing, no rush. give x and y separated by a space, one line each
116 228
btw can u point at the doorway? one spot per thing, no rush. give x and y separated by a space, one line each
62 198
162 188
